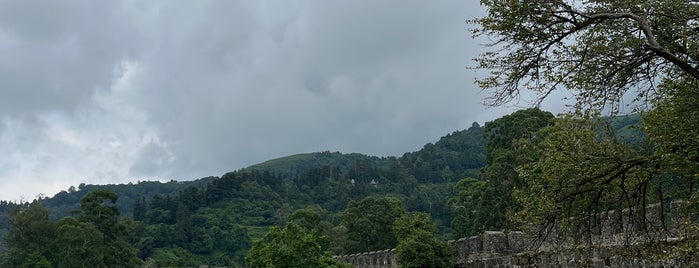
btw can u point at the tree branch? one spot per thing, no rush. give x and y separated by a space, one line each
652 45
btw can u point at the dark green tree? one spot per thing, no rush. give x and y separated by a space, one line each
291 247
306 219
417 246
473 208
672 127
31 235
484 205
98 207
96 239
139 209
369 223
78 244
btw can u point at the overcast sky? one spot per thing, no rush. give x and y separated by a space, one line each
120 91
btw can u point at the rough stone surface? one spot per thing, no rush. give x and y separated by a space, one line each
622 242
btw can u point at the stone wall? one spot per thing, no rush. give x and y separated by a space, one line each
374 259
620 241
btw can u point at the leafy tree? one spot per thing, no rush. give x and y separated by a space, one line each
456 155
78 244
98 208
96 239
306 219
170 257
423 251
483 205
31 235
473 208
673 129
36 260
418 247
413 223
598 49
580 174
139 209
291 246
369 223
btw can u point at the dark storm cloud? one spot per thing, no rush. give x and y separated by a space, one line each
119 91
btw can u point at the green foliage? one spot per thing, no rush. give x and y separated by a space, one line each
306 219
599 50
291 247
423 252
170 257
627 128
65 203
581 174
456 155
212 221
98 208
36 260
473 208
673 129
369 223
96 239
31 234
413 224
80 244
483 205
299 163
417 245
207 234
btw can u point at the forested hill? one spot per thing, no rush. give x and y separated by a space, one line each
454 156
457 155
299 163
214 220
65 202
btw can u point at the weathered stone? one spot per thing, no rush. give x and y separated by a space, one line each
475 244
494 242
495 249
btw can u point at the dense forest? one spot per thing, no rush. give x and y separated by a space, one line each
352 200
214 220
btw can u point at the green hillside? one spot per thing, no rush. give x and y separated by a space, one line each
214 220
297 163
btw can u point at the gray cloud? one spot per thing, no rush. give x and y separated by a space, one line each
119 91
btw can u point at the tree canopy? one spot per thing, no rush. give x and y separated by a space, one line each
604 52
369 223
483 204
417 246
96 239
598 49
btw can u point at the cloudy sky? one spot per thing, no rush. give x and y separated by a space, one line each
120 91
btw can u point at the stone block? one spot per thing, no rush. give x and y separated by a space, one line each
517 241
475 244
494 242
